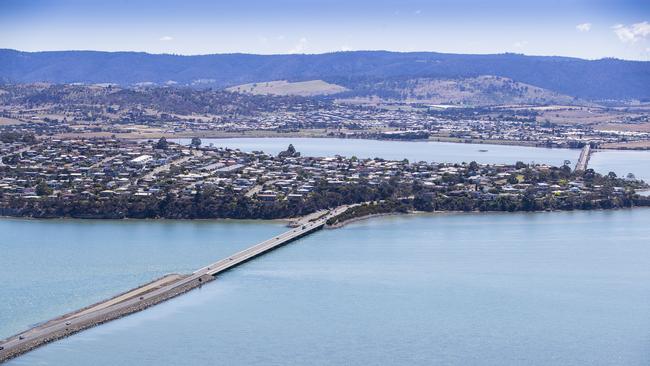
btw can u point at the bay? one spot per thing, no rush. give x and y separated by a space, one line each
561 288
51 267
430 151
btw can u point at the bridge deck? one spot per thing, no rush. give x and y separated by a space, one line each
583 160
145 297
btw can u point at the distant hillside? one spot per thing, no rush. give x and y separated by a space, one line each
283 87
482 90
600 79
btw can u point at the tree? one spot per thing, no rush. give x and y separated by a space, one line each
162 144
196 142
42 189
289 152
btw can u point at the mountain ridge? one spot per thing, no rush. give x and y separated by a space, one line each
588 79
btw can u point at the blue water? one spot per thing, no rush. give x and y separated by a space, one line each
568 288
489 289
622 163
51 267
398 150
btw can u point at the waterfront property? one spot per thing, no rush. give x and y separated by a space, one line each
109 178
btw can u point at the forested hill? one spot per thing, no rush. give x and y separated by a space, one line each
598 79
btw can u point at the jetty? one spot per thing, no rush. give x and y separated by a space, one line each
152 293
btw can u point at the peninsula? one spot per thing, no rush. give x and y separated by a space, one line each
112 178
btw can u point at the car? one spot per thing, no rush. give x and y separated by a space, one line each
21 337
67 323
141 297
1 348
304 227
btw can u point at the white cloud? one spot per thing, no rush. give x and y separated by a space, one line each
633 32
584 27
166 39
520 44
300 46
345 48
418 12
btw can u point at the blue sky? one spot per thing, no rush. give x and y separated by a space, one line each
580 28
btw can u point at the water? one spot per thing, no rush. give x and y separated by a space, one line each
398 150
51 267
549 288
622 163
568 288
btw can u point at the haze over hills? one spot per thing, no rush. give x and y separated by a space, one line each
358 71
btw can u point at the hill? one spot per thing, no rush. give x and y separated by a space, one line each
282 87
479 91
587 79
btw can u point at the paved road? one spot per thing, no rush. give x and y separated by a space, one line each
81 319
251 192
583 160
179 161
19 151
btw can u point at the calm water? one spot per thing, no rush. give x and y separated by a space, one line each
52 267
398 150
495 289
454 289
622 163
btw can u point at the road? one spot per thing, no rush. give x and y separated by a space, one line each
19 151
251 192
148 295
583 160
166 167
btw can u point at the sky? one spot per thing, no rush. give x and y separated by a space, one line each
588 29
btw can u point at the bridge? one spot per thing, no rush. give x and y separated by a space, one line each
150 294
583 160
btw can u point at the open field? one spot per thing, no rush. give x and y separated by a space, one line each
634 145
586 116
9 121
632 127
206 134
283 87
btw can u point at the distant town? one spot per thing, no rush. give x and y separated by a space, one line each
77 111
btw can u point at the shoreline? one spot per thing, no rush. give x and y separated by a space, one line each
147 295
308 135
289 221
286 221
476 212
172 285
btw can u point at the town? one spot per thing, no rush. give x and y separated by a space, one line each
62 111
113 178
